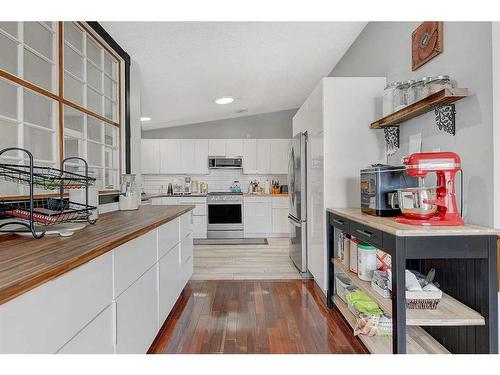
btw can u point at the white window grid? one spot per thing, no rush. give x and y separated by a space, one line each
20 121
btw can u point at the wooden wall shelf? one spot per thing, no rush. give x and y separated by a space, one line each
428 104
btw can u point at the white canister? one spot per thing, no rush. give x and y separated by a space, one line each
367 261
353 255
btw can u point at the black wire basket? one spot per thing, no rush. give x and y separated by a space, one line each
44 177
47 211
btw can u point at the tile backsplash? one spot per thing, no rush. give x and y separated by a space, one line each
217 180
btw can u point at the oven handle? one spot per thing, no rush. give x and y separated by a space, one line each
224 203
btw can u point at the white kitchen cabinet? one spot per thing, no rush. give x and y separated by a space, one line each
200 156
168 237
170 284
258 216
263 156
150 156
249 156
279 156
217 147
280 215
63 307
170 156
234 148
132 259
169 200
95 338
187 155
137 315
199 215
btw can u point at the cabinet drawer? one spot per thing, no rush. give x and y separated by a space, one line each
339 222
169 282
186 225
96 338
258 209
47 317
168 237
132 259
280 202
169 200
366 234
200 226
137 315
186 249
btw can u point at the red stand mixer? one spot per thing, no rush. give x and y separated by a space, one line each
434 205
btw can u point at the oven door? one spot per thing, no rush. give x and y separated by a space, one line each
225 216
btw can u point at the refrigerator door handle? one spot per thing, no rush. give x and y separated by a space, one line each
294 221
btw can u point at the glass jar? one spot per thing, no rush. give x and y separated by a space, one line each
130 197
399 96
409 92
388 99
438 83
416 91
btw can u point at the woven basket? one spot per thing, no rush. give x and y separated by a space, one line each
422 304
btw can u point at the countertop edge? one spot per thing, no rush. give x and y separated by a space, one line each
413 231
11 292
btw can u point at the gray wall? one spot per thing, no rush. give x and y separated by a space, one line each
383 49
266 125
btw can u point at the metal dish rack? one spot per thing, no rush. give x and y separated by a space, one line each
43 212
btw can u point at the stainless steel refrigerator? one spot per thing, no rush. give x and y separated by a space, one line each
297 199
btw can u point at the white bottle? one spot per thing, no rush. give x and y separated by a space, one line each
267 187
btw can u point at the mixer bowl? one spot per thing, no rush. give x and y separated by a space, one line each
412 202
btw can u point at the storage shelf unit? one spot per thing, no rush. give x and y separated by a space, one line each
449 312
428 104
417 340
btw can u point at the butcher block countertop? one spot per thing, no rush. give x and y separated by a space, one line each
388 225
26 263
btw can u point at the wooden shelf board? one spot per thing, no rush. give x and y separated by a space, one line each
449 312
445 96
417 340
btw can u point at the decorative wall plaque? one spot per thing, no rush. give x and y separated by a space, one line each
427 43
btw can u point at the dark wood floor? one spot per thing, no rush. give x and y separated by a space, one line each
254 317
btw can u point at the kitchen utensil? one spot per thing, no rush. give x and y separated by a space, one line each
235 187
170 189
431 206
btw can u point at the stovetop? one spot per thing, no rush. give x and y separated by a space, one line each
224 193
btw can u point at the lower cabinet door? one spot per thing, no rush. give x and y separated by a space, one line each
137 315
187 271
200 226
96 338
280 220
169 282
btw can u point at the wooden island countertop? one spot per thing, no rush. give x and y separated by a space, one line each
26 263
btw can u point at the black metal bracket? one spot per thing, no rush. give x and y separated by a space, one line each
391 135
445 118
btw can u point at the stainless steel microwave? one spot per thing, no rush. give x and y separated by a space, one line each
228 163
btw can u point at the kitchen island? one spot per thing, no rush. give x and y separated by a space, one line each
465 259
106 289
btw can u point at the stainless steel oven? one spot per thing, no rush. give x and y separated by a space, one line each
225 215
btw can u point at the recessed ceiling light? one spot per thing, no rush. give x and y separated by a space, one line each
145 119
224 100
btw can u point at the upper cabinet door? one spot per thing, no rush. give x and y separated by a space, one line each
201 156
217 147
170 156
150 156
249 156
234 148
187 151
279 156
263 156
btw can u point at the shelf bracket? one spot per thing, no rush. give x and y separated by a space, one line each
391 134
445 118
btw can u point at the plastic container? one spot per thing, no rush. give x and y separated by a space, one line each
343 286
367 261
353 255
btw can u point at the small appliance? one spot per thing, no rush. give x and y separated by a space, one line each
187 185
225 163
431 205
130 197
379 184
284 189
